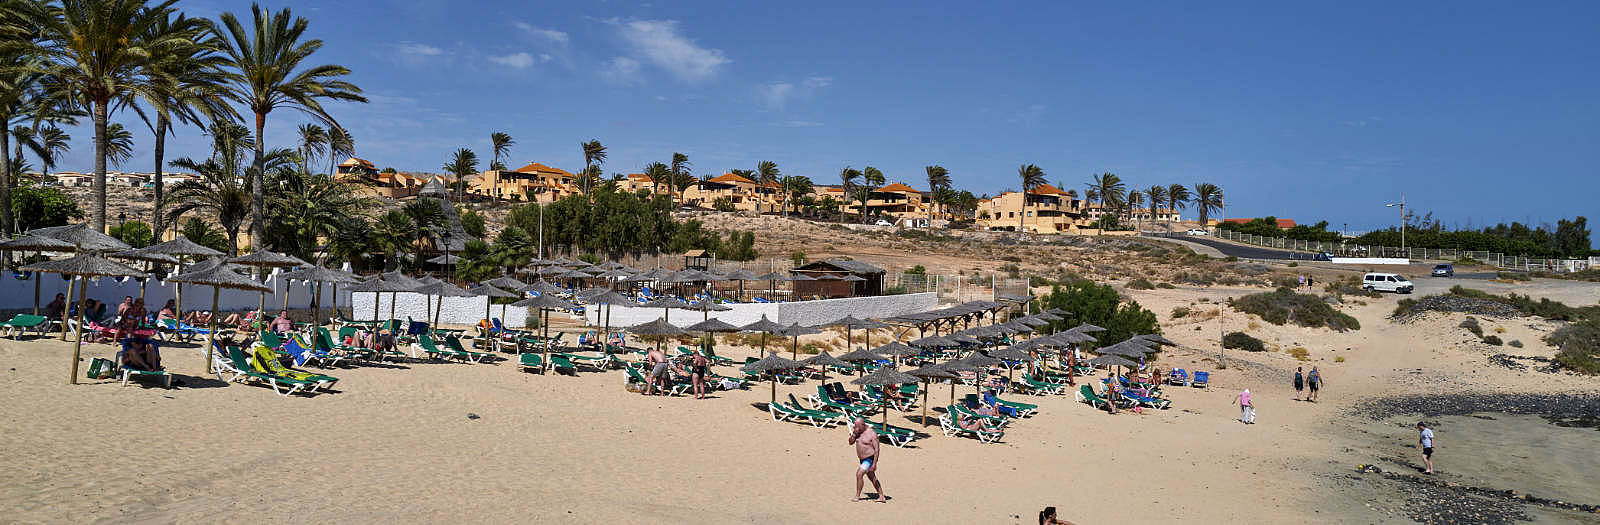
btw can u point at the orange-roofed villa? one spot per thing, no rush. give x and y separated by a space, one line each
1046 209
533 182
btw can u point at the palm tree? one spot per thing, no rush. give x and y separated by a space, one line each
463 163
594 154
229 142
118 144
104 54
1207 200
1108 190
313 143
847 182
1157 196
500 143
305 208
187 88
795 185
52 143
1032 177
426 216
219 193
766 178
266 57
680 170
1178 198
340 144
871 180
938 178
659 174
393 232
1134 199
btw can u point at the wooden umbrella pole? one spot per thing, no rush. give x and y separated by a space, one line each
36 278
285 291
392 297
211 335
925 386
64 315
178 298
377 297
77 344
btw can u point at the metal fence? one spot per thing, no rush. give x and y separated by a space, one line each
1348 249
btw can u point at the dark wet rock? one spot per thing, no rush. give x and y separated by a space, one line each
1451 303
1566 405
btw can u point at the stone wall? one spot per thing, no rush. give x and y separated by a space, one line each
803 312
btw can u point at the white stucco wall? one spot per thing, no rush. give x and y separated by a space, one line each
18 294
452 310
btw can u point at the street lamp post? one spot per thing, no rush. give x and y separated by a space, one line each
122 219
1402 206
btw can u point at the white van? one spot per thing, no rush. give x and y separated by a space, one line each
1387 282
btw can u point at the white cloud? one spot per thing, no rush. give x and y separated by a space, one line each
620 70
776 94
801 124
560 37
417 49
818 82
664 45
514 60
545 57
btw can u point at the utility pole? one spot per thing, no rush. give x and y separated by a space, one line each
1222 363
1402 206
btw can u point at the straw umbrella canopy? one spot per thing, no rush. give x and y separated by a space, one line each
655 274
1155 338
860 355
772 279
772 363
218 277
612 265
1032 320
705 307
740 275
934 341
319 275
81 235
551 270
710 326
886 376
666 304
1086 327
183 249
980 364
848 322
657 328
85 266
37 243
1010 354
506 282
795 331
958 365
1129 348
928 374
378 285
897 350
586 293
609 299
1112 360
541 287
1047 316
766 326
823 361
490 292
440 290
545 303
264 259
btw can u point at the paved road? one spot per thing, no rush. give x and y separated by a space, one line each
1256 252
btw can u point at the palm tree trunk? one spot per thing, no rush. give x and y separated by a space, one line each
258 195
5 178
161 138
233 242
97 211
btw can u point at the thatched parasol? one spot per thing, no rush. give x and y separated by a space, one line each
218 277
441 290
1112 360
393 284
261 260
542 287
85 266
319 275
928 374
859 356
492 292
823 361
795 331
711 326
81 235
506 282
740 275
886 376
609 299
772 363
706 306
545 303
666 304
897 350
657 328
1011 354
36 243
1086 327
766 326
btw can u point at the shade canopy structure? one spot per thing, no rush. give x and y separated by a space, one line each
822 361
897 350
586 293
666 304
320 275
1112 360
506 282
1086 327
934 342
38 243
765 326
182 247
85 266
794 331
551 270
445 259
927 374
261 260
1047 316
140 254
1155 338
1010 354
492 292
614 275
81 235
850 322
440 290
658 327
218 276
542 287
886 376
545 303
769 364
1034 321
711 326
852 278
1129 348
378 285
859 356
654 274
612 265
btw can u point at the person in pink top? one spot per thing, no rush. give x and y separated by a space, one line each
1247 409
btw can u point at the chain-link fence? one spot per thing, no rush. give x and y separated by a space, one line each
1348 249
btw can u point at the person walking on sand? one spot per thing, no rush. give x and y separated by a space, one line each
1425 437
866 443
657 360
1299 383
1247 410
1314 380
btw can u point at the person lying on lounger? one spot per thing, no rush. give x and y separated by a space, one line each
141 354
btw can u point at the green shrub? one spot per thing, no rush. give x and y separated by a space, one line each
1493 340
1513 276
724 204
1543 307
1349 286
1141 284
1179 312
1284 305
1471 324
1579 345
1089 302
1012 270
1404 307
1243 341
798 258
1293 264
1165 286
1231 258
917 270
894 290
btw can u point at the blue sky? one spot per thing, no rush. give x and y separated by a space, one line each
1479 111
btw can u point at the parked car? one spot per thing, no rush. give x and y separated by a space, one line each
1198 232
882 222
1444 270
1387 282
1323 256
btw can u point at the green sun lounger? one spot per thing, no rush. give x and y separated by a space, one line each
963 411
822 399
266 362
454 343
243 370
22 323
531 361
1086 395
897 436
950 424
1038 388
562 365
792 411
1023 409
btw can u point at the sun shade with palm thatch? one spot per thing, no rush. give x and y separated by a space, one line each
1129 348
37 243
771 363
86 266
551 270
898 350
1112 360
81 235
542 287
445 259
182 247
218 277
934 341
825 360
928 374
1086 327
861 355
268 259
885 376
711 325
506 282
707 306
546 301
610 297
666 302
139 254
658 327
1155 338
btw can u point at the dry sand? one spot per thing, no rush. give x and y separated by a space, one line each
400 443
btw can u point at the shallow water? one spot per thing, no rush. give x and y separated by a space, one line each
1556 459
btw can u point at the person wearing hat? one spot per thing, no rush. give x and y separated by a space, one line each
1247 409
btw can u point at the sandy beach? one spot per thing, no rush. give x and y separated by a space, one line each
429 442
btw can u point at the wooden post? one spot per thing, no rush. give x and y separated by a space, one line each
64 315
77 344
